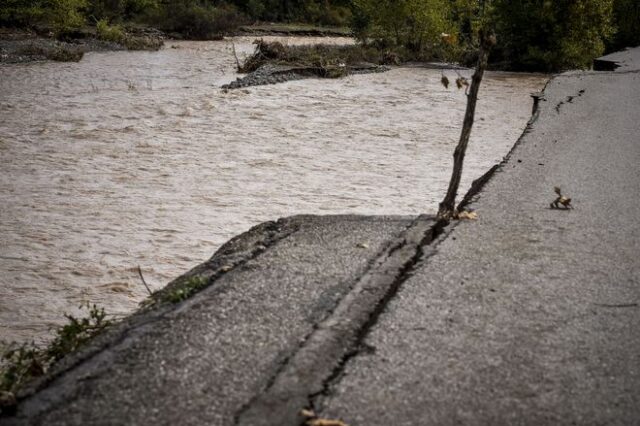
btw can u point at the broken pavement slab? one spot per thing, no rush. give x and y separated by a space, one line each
203 361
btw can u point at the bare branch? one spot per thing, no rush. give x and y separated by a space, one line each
447 210
235 55
143 281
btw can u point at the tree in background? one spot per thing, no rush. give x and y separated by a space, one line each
545 35
412 24
195 19
535 35
626 15
66 16
121 10
323 12
63 16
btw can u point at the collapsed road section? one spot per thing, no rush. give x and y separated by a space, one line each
285 296
528 315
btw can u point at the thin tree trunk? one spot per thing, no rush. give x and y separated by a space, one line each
447 206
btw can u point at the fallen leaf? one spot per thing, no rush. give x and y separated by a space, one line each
325 422
465 215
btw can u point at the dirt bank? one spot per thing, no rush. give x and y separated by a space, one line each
20 46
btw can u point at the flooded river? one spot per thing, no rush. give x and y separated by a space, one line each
138 158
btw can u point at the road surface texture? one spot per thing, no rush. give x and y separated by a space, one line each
528 315
200 361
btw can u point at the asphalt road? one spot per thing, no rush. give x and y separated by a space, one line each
199 362
528 315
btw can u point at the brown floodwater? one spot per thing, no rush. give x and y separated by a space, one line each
138 158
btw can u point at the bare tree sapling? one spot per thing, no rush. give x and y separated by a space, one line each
447 210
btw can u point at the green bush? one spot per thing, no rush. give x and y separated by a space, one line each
21 13
23 363
65 16
414 24
533 35
197 20
545 35
185 290
106 32
626 15
122 10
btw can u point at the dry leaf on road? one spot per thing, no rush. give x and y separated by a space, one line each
325 422
464 215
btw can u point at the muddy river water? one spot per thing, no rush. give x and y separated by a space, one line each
138 158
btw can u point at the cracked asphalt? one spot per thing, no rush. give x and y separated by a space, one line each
201 361
528 315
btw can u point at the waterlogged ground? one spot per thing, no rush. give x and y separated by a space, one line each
138 158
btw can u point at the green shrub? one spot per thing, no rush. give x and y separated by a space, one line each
23 363
116 34
121 10
65 16
77 332
184 290
197 20
544 35
413 24
626 15
106 32
21 13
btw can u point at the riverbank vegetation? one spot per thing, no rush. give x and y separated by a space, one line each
20 364
307 56
194 19
23 363
533 35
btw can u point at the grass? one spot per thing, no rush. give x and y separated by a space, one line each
23 363
116 34
106 32
183 290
